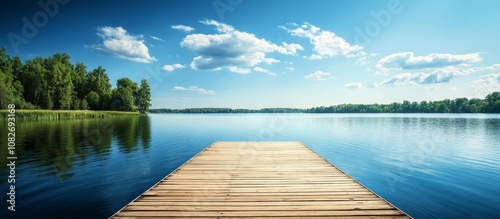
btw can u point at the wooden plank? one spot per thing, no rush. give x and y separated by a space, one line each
258 179
293 187
255 203
260 208
302 213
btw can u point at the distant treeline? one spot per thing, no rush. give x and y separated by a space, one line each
54 83
228 110
491 104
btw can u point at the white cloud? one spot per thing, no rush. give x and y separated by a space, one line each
156 38
442 75
182 28
407 60
118 43
232 49
354 85
221 27
239 70
193 89
326 43
490 78
290 68
259 69
314 57
170 68
486 84
365 58
289 49
319 76
493 67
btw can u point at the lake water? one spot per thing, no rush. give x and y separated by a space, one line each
428 165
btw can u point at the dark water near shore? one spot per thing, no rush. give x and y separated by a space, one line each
428 165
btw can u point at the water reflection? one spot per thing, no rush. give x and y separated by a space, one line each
56 147
428 165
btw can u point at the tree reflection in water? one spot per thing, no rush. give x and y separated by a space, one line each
56 147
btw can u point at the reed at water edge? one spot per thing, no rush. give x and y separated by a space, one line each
34 115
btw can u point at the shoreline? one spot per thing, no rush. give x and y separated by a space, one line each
36 115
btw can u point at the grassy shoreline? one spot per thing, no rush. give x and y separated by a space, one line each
34 115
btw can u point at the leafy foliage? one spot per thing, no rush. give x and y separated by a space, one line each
143 97
55 83
123 96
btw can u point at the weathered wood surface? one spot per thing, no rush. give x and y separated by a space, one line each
258 179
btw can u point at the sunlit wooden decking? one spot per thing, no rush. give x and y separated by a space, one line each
258 179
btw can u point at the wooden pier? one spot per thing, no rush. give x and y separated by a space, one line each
258 179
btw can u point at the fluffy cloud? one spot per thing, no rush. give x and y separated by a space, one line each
170 68
193 89
118 43
326 43
407 60
289 49
354 85
259 69
182 28
290 68
319 76
444 75
232 49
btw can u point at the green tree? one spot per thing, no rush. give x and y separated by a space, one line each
98 82
92 99
75 103
496 107
461 105
55 83
11 89
123 95
143 97
442 107
405 107
62 70
475 105
6 90
423 107
493 101
79 80
84 105
33 79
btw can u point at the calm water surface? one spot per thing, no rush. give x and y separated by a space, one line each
428 165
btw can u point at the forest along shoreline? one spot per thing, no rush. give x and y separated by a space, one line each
53 87
490 104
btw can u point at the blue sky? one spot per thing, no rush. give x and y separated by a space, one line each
256 54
